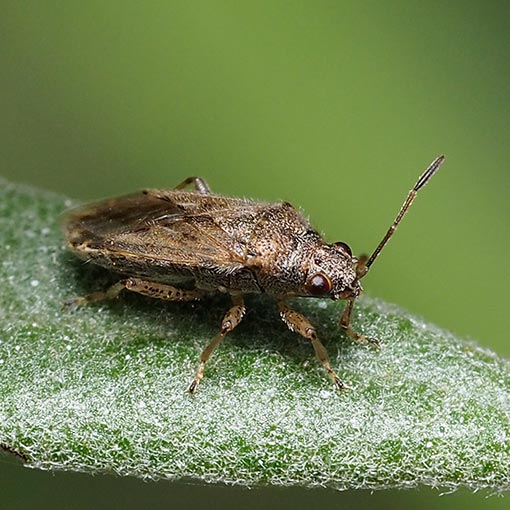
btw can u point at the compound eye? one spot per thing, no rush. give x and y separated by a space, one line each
344 248
319 285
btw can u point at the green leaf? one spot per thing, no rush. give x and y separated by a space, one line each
103 389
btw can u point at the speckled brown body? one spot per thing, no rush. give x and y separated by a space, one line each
182 245
209 242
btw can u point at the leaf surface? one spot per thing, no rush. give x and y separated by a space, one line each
103 389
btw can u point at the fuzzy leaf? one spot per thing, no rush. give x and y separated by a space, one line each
103 389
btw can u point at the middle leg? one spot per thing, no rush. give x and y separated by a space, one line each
232 318
198 183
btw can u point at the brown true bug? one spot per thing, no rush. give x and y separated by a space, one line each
182 245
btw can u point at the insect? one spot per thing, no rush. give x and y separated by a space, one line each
181 245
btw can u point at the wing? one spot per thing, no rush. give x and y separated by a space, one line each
176 227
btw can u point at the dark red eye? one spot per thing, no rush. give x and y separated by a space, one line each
344 248
319 285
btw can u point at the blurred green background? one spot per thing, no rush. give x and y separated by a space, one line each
336 106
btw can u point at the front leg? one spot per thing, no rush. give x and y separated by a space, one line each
300 324
345 324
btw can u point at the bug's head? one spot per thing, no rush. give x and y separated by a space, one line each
332 273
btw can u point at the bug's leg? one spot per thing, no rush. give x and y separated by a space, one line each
110 293
232 318
300 324
145 287
345 324
361 266
162 290
198 183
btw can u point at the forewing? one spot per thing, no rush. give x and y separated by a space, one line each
175 226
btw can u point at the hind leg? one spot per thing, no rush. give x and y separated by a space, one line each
145 287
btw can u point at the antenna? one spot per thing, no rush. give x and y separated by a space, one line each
363 264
